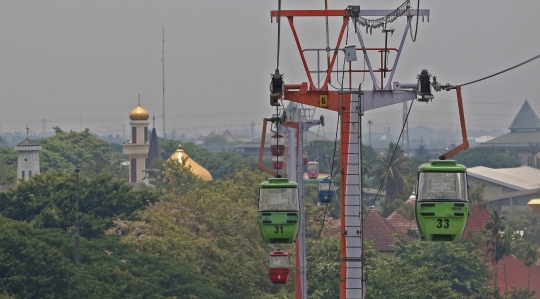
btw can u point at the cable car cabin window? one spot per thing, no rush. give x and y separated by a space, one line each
442 186
313 166
277 262
278 199
326 186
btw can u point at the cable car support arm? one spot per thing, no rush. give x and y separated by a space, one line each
465 143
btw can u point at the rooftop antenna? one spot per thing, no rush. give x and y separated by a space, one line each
27 130
163 69
139 99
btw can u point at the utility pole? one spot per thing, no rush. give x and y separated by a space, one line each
369 124
163 69
406 128
77 225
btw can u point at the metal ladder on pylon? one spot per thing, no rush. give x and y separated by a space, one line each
351 230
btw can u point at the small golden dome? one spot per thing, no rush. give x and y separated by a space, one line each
139 113
197 169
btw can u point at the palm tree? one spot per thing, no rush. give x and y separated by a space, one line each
390 169
529 255
495 227
505 246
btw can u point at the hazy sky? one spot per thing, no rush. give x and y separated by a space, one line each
73 62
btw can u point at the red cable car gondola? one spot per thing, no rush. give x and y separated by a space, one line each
277 163
277 145
278 267
313 169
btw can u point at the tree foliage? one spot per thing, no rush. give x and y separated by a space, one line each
390 168
487 157
461 264
35 263
48 201
214 226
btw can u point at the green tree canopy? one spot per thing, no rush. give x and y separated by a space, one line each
487 157
214 226
461 264
65 150
48 201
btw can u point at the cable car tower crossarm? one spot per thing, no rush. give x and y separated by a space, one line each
351 104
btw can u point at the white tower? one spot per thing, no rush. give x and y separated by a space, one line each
137 149
28 164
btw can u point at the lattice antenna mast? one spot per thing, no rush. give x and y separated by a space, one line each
77 225
163 70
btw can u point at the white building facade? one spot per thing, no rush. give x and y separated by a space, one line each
28 163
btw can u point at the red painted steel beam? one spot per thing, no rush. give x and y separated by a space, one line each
299 93
329 74
309 13
306 68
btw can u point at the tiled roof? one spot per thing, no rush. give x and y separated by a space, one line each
526 119
516 275
27 142
400 222
227 133
478 216
379 230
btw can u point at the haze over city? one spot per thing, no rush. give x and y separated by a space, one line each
84 64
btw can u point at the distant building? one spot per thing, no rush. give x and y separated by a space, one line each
507 189
28 163
226 134
182 157
524 130
137 148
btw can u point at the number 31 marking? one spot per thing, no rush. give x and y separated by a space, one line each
446 223
278 228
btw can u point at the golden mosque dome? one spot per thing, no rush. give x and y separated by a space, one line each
139 113
197 169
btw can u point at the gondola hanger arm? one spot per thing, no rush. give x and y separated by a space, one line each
465 143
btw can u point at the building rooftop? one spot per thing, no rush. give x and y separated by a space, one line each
517 276
181 156
526 119
400 222
519 178
380 231
28 142
514 139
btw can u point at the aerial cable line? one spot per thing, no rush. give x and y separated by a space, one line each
331 174
327 40
493 75
391 159
416 30
279 31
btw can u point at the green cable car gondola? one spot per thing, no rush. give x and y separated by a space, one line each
442 201
279 211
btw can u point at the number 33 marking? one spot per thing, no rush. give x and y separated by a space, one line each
446 223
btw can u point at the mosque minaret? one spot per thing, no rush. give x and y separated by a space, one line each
137 148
